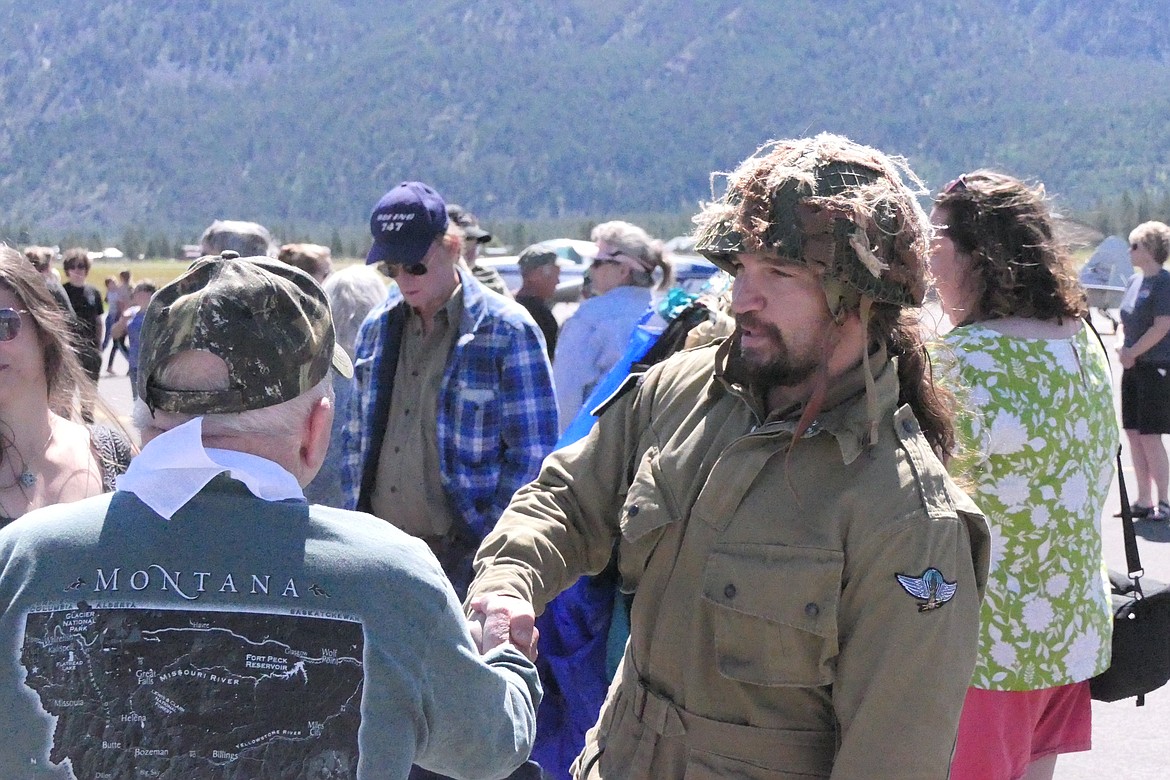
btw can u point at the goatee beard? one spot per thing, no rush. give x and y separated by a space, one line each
781 369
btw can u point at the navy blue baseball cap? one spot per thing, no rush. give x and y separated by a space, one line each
405 223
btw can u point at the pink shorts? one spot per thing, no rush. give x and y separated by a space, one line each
1002 732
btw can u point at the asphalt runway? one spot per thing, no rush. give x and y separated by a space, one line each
1128 742
114 392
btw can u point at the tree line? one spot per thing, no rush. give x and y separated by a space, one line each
1116 216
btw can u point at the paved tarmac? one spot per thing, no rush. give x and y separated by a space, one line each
1129 742
114 392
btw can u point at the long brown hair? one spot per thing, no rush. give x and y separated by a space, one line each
903 335
1017 268
68 384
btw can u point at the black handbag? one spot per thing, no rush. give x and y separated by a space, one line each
1141 624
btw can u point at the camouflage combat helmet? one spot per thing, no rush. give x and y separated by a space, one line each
828 203
268 321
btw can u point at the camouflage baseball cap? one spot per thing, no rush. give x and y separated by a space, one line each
268 321
466 220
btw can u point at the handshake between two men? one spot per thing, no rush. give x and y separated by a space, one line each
498 619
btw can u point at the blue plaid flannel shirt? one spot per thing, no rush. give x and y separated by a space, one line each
497 409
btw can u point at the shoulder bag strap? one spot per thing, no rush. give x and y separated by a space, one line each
1133 559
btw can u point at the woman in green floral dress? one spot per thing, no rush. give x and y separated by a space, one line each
1040 434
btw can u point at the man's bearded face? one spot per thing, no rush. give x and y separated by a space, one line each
775 366
781 318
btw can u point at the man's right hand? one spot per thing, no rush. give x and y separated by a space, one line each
499 619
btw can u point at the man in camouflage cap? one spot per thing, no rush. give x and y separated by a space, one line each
271 328
807 578
223 623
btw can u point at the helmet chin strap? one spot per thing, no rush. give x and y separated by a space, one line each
820 384
840 297
816 400
871 402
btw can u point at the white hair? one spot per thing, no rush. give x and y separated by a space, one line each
629 239
352 292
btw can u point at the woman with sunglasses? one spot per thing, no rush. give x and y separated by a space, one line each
47 455
1145 363
595 337
1039 437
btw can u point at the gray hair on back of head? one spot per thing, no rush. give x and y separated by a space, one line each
353 292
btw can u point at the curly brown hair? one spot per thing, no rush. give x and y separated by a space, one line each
1016 268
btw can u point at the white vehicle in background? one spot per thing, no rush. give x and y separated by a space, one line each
574 257
1105 276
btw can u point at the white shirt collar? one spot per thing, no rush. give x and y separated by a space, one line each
174 466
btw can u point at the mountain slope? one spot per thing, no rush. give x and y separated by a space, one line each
169 114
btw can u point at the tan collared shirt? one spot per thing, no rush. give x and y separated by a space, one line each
408 489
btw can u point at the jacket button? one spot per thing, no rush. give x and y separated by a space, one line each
907 427
811 609
730 590
632 511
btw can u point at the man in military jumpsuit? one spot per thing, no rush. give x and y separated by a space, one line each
807 578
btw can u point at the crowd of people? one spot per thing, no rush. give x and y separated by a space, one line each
848 546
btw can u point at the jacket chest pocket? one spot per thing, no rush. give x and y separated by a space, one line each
475 428
774 610
645 515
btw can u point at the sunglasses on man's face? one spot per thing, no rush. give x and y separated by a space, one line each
393 269
10 323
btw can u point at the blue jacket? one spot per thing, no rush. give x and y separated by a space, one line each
497 411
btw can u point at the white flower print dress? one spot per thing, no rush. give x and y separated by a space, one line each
1040 434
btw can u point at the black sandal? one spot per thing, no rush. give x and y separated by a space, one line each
1140 512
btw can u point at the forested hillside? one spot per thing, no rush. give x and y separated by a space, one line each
161 115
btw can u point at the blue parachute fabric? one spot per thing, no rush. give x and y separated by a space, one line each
576 636
645 334
574 630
